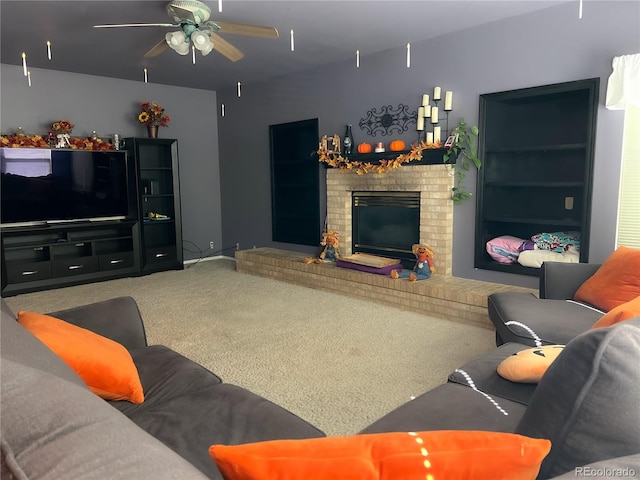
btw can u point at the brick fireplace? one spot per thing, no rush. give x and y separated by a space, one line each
434 182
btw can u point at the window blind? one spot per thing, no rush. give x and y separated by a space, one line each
628 232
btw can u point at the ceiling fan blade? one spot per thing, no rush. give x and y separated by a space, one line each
137 25
244 29
157 49
223 47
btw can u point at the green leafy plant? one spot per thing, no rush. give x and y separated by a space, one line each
463 155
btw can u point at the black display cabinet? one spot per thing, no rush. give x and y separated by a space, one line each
158 178
537 148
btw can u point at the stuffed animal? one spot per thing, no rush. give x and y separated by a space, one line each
424 264
331 251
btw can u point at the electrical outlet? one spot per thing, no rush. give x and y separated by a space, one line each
211 245
568 203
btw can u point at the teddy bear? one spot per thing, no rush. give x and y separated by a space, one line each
424 264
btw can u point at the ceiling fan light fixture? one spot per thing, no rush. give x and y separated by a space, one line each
202 41
178 42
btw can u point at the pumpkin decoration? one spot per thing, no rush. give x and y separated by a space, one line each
396 145
364 148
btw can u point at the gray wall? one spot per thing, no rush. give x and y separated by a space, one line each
544 47
109 106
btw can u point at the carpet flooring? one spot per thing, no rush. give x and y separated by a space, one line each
336 361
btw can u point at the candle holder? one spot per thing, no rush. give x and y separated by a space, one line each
446 130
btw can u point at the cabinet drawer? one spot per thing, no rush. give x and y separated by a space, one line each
74 266
116 261
28 272
161 255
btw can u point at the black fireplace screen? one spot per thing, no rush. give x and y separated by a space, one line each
386 224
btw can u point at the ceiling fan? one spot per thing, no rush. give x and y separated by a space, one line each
192 19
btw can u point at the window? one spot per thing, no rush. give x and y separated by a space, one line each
628 232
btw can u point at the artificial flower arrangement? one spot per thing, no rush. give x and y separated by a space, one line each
336 160
152 113
64 127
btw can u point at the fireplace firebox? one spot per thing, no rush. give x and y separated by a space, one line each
386 224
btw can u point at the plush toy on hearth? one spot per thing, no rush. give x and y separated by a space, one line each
331 251
424 264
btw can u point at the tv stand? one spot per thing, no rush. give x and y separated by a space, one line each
63 254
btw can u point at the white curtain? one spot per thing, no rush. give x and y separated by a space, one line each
624 82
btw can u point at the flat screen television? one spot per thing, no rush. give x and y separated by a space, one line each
48 186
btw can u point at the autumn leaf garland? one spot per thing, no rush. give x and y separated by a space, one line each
336 160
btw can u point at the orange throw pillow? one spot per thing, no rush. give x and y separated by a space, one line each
105 365
529 365
441 454
619 314
617 281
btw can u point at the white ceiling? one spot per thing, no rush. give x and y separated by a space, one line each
325 32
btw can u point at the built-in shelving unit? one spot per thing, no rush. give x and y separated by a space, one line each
537 147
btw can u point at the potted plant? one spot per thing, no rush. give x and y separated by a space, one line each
464 154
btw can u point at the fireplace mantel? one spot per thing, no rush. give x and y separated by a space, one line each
434 182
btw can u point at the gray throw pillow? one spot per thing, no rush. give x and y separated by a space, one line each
587 401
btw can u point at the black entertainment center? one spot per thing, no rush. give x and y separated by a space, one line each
76 216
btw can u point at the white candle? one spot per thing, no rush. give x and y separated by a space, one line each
222 109
429 137
48 49
448 101
29 77
434 114
427 111
24 63
357 58
146 76
425 100
420 119
436 134
436 93
408 55
239 93
293 46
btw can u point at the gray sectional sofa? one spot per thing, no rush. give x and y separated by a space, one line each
551 317
54 427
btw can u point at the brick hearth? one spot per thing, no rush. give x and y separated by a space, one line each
434 183
441 296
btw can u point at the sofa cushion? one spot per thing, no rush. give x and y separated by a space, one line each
105 365
451 407
528 366
619 467
619 314
527 319
482 371
165 375
587 402
55 429
188 408
387 456
617 281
